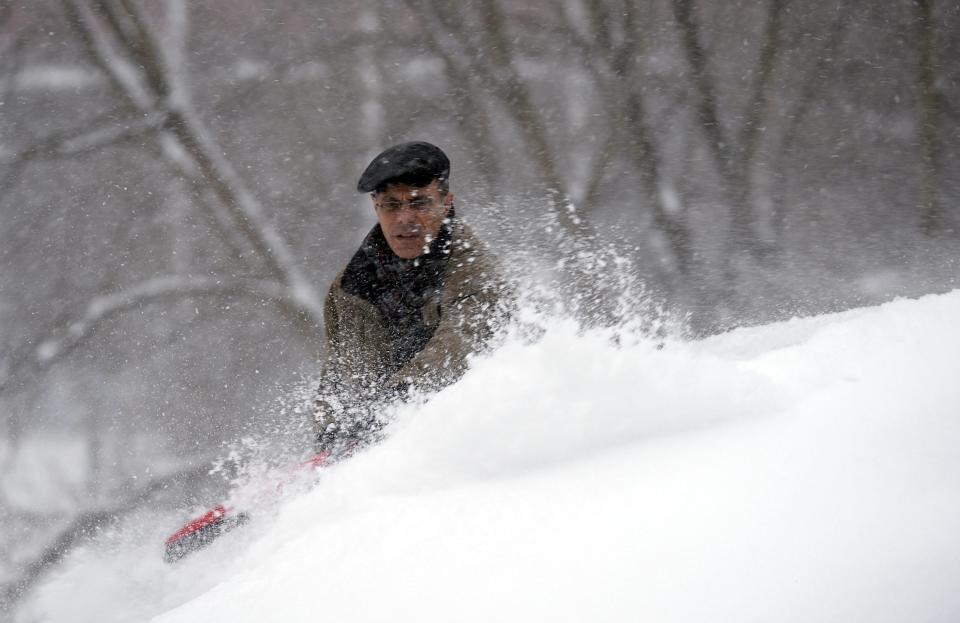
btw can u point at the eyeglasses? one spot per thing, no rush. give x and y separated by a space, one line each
417 204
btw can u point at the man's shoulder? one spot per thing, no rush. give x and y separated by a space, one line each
337 284
348 302
466 243
471 266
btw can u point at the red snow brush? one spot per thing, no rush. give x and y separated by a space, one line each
202 531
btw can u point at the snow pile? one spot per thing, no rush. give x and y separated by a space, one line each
804 471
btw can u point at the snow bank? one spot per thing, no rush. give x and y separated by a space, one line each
803 471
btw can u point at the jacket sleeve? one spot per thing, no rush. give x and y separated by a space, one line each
345 406
325 407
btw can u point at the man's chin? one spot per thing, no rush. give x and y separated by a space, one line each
407 249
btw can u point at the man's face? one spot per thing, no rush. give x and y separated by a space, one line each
411 216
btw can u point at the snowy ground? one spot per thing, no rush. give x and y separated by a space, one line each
803 471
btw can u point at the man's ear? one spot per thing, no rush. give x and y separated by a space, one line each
373 200
448 202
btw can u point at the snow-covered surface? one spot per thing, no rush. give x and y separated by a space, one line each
803 471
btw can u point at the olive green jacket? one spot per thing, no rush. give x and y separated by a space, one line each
357 371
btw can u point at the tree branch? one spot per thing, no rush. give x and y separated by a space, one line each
121 73
707 110
500 77
40 353
753 117
104 307
148 91
78 141
814 78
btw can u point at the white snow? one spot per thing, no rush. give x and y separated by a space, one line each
47 76
802 471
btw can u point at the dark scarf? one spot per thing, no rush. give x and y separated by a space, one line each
398 288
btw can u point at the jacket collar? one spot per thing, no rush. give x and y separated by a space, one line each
375 268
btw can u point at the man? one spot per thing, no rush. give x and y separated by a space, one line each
418 297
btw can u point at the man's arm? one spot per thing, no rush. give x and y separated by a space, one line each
344 409
323 416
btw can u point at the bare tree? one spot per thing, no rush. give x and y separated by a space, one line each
733 150
614 67
480 53
933 216
145 66
128 48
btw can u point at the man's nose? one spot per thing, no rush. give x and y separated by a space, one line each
406 213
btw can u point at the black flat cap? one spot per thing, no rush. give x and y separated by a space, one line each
417 163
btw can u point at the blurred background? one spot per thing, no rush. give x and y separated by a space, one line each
177 191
